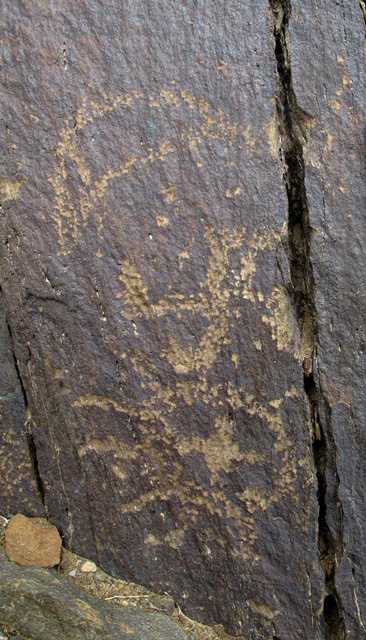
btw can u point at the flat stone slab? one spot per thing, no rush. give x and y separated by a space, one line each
39 604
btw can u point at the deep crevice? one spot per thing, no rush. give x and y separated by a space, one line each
293 126
363 9
34 459
30 439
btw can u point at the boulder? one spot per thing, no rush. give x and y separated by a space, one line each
32 542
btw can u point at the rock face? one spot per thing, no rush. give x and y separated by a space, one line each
32 542
182 275
19 488
39 604
334 163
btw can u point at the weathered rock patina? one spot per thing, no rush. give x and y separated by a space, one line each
328 71
19 487
166 171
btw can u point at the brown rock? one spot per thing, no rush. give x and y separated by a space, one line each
32 542
183 281
20 490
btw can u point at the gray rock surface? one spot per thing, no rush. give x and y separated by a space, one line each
38 604
182 273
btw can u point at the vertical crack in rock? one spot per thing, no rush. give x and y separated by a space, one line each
363 8
293 125
30 439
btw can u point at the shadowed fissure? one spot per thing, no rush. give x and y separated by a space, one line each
30 439
363 8
293 123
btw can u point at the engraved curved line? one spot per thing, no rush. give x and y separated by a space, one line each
211 300
214 124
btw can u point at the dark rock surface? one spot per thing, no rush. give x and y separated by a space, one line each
329 77
38 604
183 288
19 490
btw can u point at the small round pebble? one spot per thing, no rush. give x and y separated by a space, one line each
72 573
88 567
101 575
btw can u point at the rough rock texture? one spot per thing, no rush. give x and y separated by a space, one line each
181 268
334 163
39 604
32 541
19 488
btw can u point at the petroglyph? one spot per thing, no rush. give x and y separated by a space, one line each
71 218
220 451
161 451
